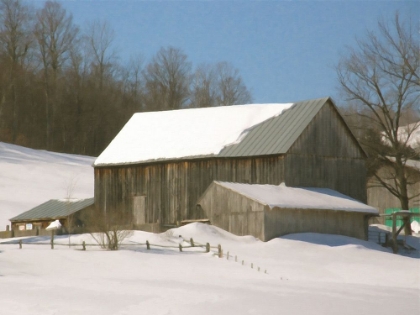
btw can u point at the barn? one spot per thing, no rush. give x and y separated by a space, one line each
268 211
160 163
35 220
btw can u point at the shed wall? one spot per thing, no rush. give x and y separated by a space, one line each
281 221
233 212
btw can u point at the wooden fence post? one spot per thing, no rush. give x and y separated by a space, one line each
220 251
227 255
147 244
207 247
84 245
252 265
52 239
180 247
192 242
20 244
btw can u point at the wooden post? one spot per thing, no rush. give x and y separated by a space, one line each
207 247
252 265
52 239
147 244
192 242
243 262
236 258
20 244
180 247
84 245
227 255
220 251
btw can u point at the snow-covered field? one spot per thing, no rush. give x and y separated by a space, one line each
31 177
306 273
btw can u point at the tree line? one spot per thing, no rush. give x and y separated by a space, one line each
63 88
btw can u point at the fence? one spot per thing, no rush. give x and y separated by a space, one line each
147 245
379 237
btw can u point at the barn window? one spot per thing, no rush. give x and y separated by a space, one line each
139 210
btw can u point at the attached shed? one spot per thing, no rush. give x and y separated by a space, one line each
41 216
160 163
268 211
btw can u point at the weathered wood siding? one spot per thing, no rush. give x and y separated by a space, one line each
233 212
241 215
282 221
380 197
327 155
171 189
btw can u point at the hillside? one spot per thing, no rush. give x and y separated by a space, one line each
299 273
30 177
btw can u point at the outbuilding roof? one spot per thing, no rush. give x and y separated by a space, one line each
54 209
227 131
299 197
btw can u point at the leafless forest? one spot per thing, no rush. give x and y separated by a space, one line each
64 88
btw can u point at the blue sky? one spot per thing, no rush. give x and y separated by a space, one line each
285 50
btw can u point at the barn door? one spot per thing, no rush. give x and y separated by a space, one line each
139 210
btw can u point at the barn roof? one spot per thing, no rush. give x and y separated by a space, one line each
54 209
299 198
228 131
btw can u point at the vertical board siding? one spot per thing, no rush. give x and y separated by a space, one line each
173 188
327 135
327 155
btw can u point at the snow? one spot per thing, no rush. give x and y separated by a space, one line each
30 177
184 133
306 273
300 198
54 225
409 134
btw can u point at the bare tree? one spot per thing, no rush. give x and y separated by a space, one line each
380 78
55 34
15 43
100 37
108 228
204 88
232 90
218 85
167 80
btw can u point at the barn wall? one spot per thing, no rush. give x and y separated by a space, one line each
327 155
380 198
279 221
233 212
171 189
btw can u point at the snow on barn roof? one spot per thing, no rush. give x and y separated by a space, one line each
184 133
299 198
237 130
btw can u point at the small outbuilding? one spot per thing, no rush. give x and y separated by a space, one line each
269 211
67 211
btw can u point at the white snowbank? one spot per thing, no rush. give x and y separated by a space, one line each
300 198
184 133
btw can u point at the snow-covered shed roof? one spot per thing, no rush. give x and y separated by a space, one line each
54 209
299 198
227 131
